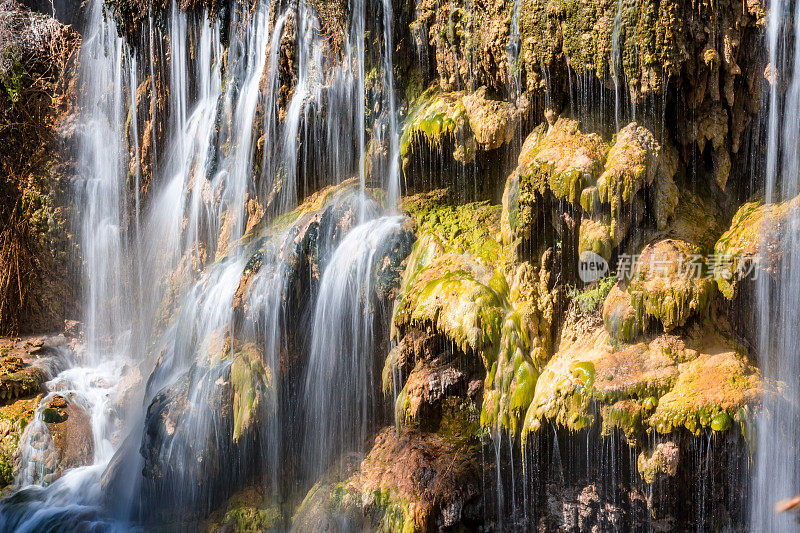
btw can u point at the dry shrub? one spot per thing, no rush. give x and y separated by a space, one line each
37 66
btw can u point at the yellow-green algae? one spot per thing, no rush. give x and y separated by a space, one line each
471 120
561 160
637 160
662 462
756 229
698 381
435 116
565 160
14 418
670 284
619 317
471 228
469 302
252 388
596 236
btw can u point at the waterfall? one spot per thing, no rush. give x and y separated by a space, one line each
341 380
777 475
201 268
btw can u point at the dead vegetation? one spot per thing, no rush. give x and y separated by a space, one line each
37 61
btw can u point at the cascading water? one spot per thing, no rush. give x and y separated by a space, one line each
777 475
340 382
238 202
165 272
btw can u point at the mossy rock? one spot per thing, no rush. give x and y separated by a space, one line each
597 237
463 300
670 284
18 379
493 122
472 228
473 307
660 463
619 317
434 117
650 36
699 380
565 160
636 161
14 418
710 390
560 161
758 232
246 511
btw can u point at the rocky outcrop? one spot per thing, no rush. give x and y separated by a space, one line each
664 382
754 243
409 481
25 365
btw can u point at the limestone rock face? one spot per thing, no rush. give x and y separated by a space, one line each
664 382
754 243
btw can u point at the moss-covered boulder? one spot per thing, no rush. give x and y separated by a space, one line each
659 463
596 236
671 283
459 298
438 116
754 243
14 419
667 284
557 162
247 510
468 122
565 160
636 161
466 228
700 380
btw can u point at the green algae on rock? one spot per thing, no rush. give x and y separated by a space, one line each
14 418
470 228
663 383
756 235
471 121
472 306
636 160
670 284
619 317
560 161
660 463
438 116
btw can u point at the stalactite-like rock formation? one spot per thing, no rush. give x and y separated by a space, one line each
462 370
